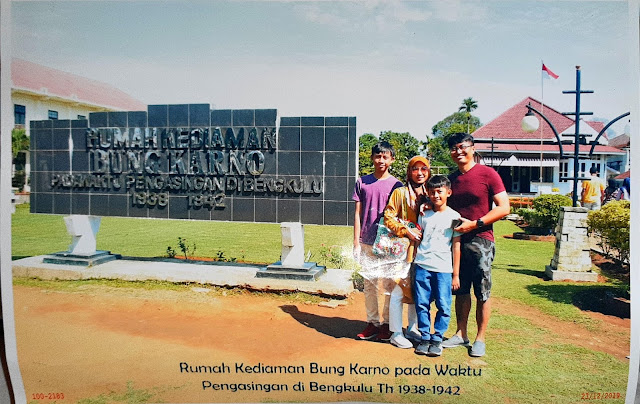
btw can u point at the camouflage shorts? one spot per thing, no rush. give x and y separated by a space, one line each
476 257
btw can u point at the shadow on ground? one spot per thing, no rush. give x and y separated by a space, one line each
529 272
336 327
596 298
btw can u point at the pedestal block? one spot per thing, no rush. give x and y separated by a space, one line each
82 251
571 259
292 264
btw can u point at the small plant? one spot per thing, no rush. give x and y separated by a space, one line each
357 279
171 252
332 256
186 249
221 257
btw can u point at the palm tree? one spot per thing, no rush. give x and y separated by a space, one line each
468 105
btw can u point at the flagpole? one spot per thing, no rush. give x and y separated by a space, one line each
542 125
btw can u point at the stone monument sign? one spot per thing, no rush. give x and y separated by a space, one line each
188 161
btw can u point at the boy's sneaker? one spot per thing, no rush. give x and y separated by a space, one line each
370 332
435 348
455 341
384 334
423 348
397 339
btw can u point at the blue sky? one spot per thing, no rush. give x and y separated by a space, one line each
394 65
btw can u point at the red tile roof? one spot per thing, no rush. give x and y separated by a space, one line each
36 78
508 124
620 141
624 175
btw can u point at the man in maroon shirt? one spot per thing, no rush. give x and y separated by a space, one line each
475 190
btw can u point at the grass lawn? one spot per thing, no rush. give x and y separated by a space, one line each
528 364
38 234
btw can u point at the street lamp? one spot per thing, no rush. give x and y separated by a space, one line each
530 124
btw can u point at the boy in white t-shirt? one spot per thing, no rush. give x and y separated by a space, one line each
437 266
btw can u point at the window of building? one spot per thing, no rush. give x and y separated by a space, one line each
564 170
82 117
53 114
19 114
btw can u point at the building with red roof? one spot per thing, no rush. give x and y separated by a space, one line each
39 92
529 162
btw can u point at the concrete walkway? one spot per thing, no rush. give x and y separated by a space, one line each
335 282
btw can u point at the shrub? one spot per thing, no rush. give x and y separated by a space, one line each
548 208
610 225
545 210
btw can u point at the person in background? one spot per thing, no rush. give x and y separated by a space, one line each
592 191
625 190
611 191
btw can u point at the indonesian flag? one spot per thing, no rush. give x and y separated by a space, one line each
548 74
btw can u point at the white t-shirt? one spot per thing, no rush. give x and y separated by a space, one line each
434 252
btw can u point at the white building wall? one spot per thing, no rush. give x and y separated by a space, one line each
37 107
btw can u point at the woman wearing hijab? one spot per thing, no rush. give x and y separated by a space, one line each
404 206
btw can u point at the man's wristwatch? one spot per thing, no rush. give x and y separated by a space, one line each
479 223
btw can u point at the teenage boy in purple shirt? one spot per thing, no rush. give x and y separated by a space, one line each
371 195
479 195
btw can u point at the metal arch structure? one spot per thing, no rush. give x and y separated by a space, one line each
595 141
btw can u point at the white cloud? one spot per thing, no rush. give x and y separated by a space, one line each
384 15
323 15
457 10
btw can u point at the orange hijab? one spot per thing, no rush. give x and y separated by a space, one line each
413 197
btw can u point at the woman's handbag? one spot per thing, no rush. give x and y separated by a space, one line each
388 246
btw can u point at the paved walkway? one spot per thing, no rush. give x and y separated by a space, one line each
335 282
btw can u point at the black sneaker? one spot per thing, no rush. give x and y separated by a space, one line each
435 348
423 348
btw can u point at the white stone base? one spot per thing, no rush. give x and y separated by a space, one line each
578 276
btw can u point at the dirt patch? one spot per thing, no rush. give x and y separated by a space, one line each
95 341
611 268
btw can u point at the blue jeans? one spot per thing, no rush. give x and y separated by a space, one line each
432 286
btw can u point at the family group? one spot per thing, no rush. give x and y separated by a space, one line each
448 222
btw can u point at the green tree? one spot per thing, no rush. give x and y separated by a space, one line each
19 145
437 148
468 106
19 141
405 145
366 142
